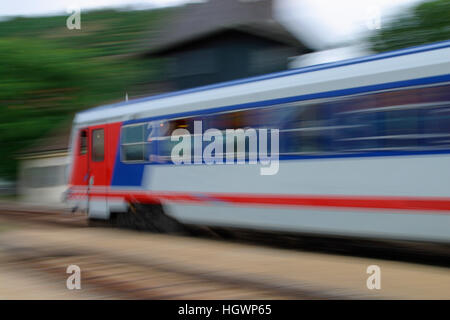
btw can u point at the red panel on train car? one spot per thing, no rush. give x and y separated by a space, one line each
98 152
112 141
79 176
95 154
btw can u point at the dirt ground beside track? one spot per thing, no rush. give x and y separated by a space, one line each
135 265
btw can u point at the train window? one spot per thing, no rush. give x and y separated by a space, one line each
401 129
98 145
373 122
299 126
437 126
83 142
164 138
356 125
133 134
133 152
301 129
436 119
392 121
133 143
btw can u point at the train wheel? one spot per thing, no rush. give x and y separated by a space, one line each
150 218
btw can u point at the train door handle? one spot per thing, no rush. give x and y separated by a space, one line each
91 181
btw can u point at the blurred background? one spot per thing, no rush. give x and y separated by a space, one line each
53 66
131 48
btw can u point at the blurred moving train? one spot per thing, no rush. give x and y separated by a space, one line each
364 152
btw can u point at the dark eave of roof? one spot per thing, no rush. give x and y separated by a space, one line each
56 141
195 22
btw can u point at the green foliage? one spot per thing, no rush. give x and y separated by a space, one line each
425 23
47 72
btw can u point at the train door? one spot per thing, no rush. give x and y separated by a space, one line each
97 182
80 171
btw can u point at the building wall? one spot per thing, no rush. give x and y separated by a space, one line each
226 56
43 180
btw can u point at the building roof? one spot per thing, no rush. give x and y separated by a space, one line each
55 142
196 21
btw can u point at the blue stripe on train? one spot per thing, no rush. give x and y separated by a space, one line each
126 174
130 174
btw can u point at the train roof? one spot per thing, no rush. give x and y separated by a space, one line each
97 114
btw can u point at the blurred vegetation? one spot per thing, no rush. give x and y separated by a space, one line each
47 72
426 23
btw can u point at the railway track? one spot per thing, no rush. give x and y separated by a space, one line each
407 251
129 265
42 215
118 276
135 265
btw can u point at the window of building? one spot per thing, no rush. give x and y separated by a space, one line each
45 177
98 145
269 59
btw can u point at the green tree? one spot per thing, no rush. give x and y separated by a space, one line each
40 86
425 23
43 85
48 73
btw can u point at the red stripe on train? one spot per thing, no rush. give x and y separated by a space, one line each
396 203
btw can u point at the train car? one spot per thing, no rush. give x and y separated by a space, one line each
364 151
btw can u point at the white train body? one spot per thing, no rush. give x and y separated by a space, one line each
364 151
